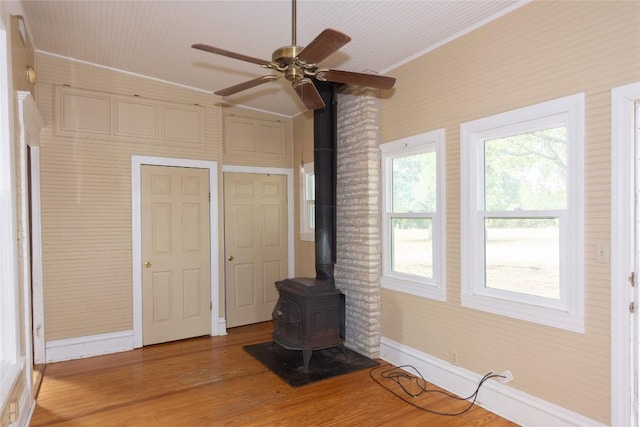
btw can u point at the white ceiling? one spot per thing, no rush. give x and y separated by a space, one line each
153 38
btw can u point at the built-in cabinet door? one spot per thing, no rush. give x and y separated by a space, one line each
176 271
255 244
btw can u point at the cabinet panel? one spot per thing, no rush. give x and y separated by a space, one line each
136 118
240 134
244 134
182 123
83 112
90 114
271 137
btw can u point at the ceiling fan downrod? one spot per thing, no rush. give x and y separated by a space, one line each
293 22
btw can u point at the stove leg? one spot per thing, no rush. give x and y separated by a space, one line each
306 357
344 352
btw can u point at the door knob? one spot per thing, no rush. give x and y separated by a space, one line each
147 264
230 258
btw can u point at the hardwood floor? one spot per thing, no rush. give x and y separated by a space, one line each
211 381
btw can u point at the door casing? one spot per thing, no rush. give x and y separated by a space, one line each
136 237
624 348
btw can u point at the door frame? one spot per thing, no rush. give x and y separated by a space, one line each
31 123
136 236
37 277
290 219
624 348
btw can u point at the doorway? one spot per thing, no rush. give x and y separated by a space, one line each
255 231
625 232
211 167
176 291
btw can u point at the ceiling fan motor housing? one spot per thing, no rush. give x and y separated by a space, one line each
294 70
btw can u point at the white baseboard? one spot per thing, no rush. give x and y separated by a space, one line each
96 345
93 345
501 399
222 326
26 406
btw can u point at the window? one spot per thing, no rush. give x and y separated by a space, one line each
413 252
522 213
307 203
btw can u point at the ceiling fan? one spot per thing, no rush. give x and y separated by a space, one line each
299 65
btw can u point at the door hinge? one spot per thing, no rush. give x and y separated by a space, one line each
209 196
632 278
210 305
632 307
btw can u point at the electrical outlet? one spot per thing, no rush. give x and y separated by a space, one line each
505 377
13 411
454 357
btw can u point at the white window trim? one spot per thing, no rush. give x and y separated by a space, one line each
433 288
11 363
306 233
568 313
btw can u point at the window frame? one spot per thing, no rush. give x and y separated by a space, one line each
11 362
435 287
306 232
567 312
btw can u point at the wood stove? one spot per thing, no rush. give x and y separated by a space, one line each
309 314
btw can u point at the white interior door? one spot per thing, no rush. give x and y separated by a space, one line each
256 250
176 271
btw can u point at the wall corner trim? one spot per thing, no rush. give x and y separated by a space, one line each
503 400
88 346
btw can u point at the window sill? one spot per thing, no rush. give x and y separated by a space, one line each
308 236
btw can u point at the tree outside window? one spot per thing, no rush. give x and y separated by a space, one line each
522 219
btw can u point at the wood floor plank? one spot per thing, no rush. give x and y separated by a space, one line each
212 381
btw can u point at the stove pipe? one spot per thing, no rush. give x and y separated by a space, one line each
324 158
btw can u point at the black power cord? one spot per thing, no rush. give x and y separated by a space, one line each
405 380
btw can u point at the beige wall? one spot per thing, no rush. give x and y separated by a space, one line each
302 153
542 51
86 200
86 197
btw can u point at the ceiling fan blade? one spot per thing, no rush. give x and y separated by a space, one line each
326 43
245 85
230 54
309 95
359 79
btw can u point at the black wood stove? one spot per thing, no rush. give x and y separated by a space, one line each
309 314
